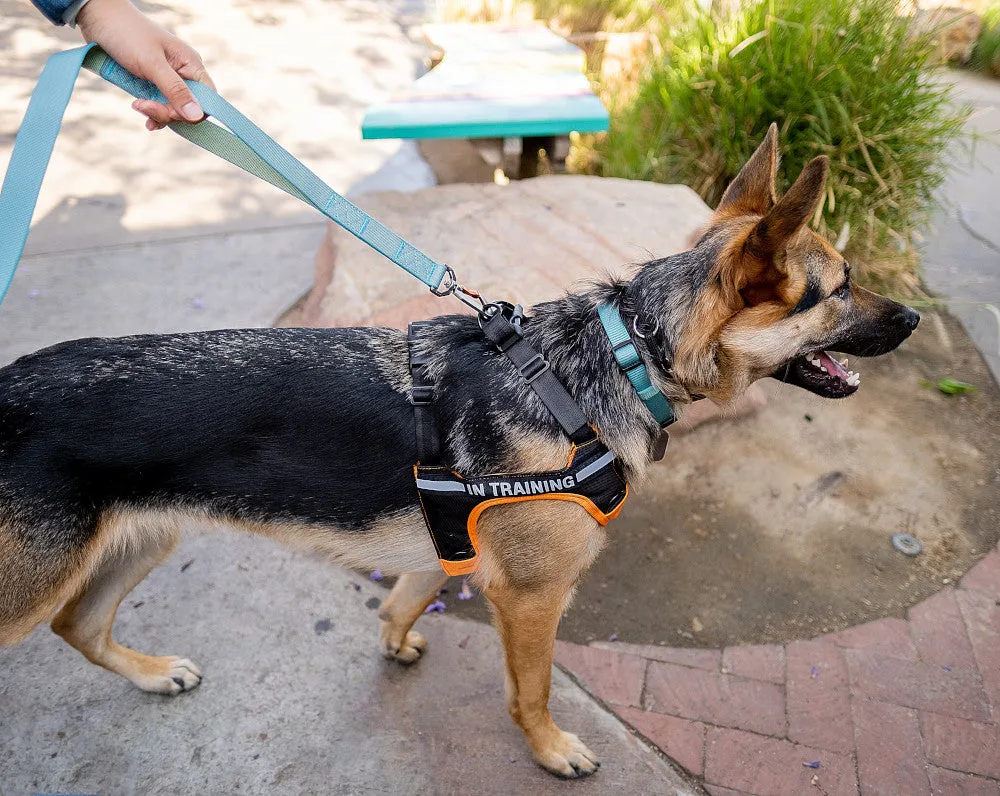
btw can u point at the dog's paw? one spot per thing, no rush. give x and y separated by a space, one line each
409 651
174 676
567 756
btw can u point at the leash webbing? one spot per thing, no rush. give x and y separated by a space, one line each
243 144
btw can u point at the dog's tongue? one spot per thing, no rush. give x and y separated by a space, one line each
832 366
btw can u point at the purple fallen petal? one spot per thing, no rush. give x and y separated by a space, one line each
613 637
813 764
376 575
814 671
356 586
34 293
435 607
465 593
197 304
946 668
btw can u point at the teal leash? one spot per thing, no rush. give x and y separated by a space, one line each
243 144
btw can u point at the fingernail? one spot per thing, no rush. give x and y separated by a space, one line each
192 112
135 105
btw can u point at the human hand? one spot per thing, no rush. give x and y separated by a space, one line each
150 52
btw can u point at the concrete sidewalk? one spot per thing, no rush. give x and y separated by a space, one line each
961 256
296 697
302 69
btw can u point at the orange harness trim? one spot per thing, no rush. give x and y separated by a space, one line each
453 504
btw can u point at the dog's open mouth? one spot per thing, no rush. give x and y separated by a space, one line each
822 374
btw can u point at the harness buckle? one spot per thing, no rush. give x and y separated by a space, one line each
534 368
421 395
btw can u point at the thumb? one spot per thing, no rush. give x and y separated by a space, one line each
178 95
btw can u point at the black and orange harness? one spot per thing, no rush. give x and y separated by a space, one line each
452 503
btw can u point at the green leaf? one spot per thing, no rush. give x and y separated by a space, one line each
954 387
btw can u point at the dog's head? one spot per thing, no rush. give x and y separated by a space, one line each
775 296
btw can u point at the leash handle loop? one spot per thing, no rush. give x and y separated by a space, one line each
243 144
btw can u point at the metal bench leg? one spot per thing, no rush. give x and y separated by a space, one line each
529 153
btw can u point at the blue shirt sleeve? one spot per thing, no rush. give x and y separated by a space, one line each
53 9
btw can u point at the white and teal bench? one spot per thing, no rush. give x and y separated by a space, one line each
495 82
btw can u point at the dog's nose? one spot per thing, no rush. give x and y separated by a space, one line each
911 317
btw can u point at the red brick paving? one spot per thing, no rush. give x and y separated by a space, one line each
759 661
888 636
889 755
819 696
614 678
952 783
938 631
962 745
984 576
750 763
896 707
682 740
721 699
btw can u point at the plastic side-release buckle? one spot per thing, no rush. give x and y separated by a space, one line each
421 395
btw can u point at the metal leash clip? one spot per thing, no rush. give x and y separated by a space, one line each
469 298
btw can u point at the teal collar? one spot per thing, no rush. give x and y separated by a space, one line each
627 356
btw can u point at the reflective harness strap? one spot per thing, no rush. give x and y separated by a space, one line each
453 504
243 144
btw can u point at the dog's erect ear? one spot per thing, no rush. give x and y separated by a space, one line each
753 189
793 210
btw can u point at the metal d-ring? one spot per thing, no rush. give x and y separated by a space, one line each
640 335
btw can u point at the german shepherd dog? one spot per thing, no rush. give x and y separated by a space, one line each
110 448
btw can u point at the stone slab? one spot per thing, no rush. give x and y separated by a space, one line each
526 242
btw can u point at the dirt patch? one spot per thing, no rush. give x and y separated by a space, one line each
777 526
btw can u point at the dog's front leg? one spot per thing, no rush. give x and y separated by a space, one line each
527 621
412 593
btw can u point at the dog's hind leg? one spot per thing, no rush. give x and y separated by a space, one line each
85 621
412 593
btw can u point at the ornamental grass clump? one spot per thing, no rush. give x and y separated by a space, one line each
986 54
845 78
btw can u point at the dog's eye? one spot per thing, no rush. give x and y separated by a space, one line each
843 291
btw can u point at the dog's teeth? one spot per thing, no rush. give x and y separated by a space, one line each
814 361
843 362
854 379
